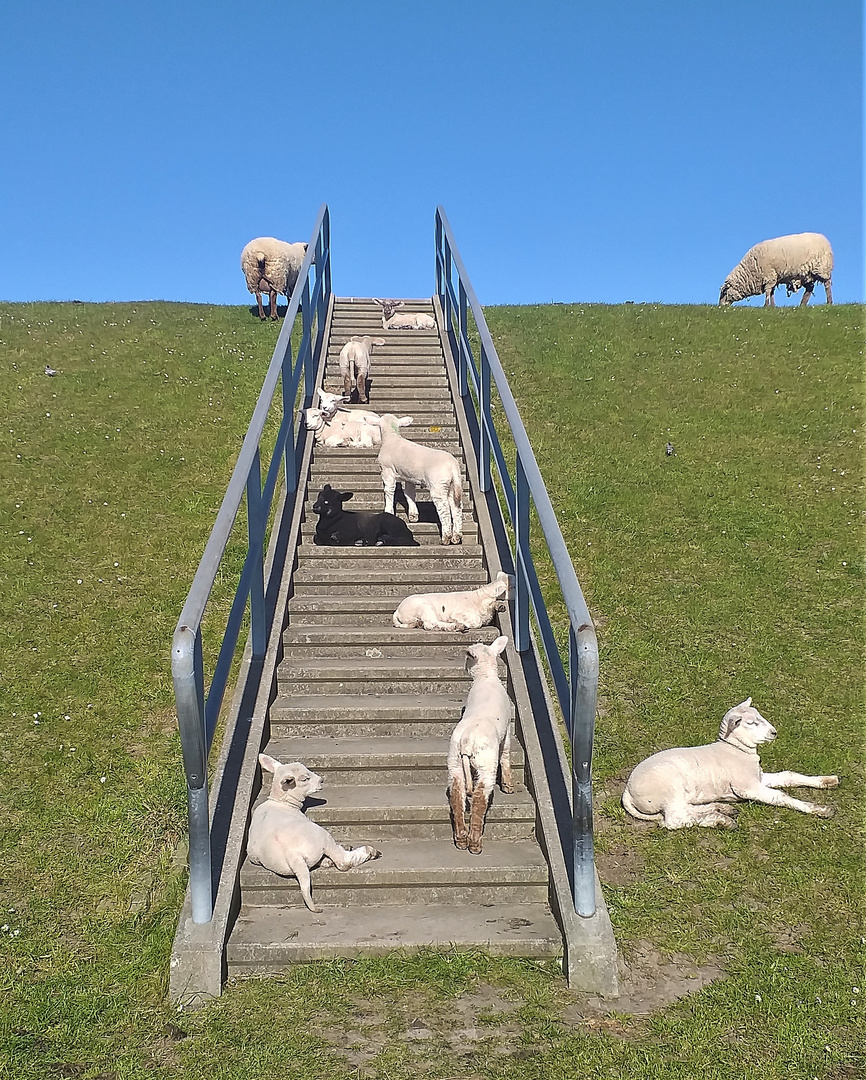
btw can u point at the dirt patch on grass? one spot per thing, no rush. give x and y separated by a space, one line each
619 866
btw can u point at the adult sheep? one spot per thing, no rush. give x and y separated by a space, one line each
271 266
796 261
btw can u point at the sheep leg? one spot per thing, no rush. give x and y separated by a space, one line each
346 858
506 780
302 872
409 490
793 779
261 309
773 797
828 291
769 297
272 298
362 388
807 294
444 511
685 816
456 506
477 810
457 798
347 382
389 483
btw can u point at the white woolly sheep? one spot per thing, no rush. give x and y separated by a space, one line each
342 429
413 463
693 785
355 364
480 746
329 403
271 266
796 261
467 610
392 319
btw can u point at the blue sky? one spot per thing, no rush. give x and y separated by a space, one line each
583 152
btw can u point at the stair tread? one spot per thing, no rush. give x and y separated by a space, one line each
344 751
404 801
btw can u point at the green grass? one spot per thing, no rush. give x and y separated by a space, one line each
732 568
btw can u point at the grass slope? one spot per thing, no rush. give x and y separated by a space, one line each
728 569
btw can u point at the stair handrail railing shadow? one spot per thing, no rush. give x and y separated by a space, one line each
197 710
577 687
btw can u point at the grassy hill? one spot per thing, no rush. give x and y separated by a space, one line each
731 568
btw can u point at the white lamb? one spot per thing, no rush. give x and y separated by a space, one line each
271 266
413 463
392 319
343 429
795 261
480 746
693 785
355 364
329 403
467 610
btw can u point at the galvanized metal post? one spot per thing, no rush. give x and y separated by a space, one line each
186 668
439 257
449 307
463 338
288 406
256 536
521 558
486 422
583 680
307 335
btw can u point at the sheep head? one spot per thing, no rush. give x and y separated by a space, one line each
744 726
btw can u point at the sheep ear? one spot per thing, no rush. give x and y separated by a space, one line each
744 704
344 496
404 421
268 763
499 645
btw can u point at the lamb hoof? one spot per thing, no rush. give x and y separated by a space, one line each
506 790
457 538
475 847
461 842
413 517
824 811
830 781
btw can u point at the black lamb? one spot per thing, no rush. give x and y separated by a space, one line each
358 528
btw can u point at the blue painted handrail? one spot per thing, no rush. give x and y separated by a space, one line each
577 687
197 712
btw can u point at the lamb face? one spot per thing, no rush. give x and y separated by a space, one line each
291 783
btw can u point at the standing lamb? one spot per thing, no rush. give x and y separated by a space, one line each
467 610
693 785
355 364
480 746
392 319
796 261
415 464
271 266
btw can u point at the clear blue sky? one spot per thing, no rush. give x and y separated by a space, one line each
592 152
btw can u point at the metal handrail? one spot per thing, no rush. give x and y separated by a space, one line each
197 713
576 688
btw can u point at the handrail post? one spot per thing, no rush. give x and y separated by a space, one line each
521 557
288 404
485 477
437 244
583 677
462 339
256 536
307 335
186 667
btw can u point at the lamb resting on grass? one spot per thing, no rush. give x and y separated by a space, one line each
415 464
283 839
467 610
796 261
355 364
480 746
337 527
271 266
695 785
394 319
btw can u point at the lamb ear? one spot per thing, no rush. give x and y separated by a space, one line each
344 496
499 645
744 704
404 421
268 763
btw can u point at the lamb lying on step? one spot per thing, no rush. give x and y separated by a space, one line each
467 610
394 319
694 785
415 464
345 428
284 840
355 364
337 527
480 745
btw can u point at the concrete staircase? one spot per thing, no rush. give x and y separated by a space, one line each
371 708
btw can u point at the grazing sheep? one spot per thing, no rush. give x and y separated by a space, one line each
795 261
342 429
693 785
355 364
480 746
337 527
271 266
467 610
416 464
403 320
283 839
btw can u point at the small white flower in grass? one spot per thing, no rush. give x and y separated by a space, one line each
4 928
15 933
102 779
758 998
117 564
855 989
80 582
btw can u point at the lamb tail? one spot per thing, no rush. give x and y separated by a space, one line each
457 489
467 772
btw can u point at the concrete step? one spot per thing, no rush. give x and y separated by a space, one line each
359 760
396 584
400 375
426 533
412 872
359 715
384 641
364 467
267 940
373 483
444 557
366 602
308 675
